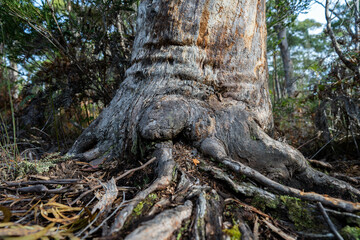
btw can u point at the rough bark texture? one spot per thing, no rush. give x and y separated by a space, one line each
199 68
199 73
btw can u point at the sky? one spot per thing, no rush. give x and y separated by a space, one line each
316 12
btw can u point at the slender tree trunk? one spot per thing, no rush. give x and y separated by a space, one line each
276 81
356 25
290 85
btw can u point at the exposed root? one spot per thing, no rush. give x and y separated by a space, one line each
208 218
217 151
165 169
246 233
163 225
309 196
246 189
199 226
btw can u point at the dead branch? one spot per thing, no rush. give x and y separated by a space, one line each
44 182
345 178
329 222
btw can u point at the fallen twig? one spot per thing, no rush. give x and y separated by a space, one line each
321 164
248 207
329 222
344 177
315 235
44 182
278 230
116 179
244 188
122 204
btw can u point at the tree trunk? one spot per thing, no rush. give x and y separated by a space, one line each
199 75
290 85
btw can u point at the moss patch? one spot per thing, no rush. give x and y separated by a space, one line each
298 213
182 230
145 205
138 209
234 232
262 203
350 233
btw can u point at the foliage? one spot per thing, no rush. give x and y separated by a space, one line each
73 55
350 233
284 12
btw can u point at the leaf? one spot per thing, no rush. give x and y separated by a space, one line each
6 212
58 210
25 233
195 161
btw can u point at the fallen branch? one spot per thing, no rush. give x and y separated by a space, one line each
248 207
316 236
329 222
44 182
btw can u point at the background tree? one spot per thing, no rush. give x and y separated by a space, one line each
74 55
281 14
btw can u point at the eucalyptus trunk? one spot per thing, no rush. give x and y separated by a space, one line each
199 75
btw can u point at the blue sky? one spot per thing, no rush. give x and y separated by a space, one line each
316 12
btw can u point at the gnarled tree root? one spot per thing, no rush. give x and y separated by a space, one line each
165 170
208 216
163 225
218 153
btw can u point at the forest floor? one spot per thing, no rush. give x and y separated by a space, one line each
75 200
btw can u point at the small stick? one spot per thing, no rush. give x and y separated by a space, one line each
116 179
328 221
44 182
278 230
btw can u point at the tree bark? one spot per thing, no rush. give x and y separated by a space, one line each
193 63
199 74
290 85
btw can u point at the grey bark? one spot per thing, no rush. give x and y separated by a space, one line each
290 84
199 73
347 62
